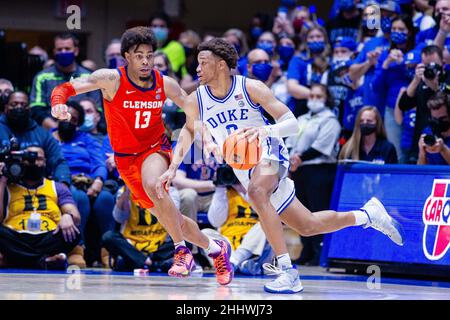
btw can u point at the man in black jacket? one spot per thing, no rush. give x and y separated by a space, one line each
16 122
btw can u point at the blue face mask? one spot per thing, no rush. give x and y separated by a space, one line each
267 47
65 59
161 34
286 53
116 61
88 124
399 37
316 46
262 71
386 24
256 32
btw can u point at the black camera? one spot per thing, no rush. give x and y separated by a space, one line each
429 140
431 70
14 159
225 176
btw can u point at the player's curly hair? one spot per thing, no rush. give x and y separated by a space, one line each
222 49
137 36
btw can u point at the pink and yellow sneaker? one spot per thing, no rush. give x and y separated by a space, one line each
224 269
183 263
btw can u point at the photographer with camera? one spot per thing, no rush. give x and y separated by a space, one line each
87 166
16 122
434 143
39 216
429 79
237 223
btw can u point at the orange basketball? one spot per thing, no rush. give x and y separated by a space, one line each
239 153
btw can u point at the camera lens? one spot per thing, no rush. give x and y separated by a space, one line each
15 170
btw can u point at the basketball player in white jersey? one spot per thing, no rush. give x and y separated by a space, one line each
227 103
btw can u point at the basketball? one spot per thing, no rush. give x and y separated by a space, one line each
239 153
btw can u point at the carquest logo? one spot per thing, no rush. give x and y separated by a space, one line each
436 213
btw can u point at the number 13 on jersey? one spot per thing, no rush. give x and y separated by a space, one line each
142 121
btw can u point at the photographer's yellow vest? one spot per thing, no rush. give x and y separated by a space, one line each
22 202
241 218
143 230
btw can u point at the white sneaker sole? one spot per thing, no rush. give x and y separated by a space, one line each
393 222
296 289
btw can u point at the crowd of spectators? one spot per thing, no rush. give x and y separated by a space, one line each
367 83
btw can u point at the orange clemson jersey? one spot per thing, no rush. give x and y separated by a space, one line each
134 116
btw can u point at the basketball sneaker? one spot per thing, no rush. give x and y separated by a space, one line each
287 280
183 263
224 269
380 220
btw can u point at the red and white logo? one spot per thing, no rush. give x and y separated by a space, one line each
436 214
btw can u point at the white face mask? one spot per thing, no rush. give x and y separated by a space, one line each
316 105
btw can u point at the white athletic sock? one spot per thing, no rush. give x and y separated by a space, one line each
284 261
360 217
213 247
239 256
179 244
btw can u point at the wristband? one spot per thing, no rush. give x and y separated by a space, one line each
62 93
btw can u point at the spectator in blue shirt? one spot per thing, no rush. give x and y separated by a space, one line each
367 59
347 23
368 141
390 75
86 162
307 68
437 153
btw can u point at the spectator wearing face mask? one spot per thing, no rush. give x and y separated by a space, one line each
16 122
113 56
367 58
237 38
347 23
310 66
39 218
88 169
160 24
285 53
436 151
92 119
338 80
390 76
368 141
259 23
65 51
313 155
366 31
6 88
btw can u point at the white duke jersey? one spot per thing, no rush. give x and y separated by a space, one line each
237 111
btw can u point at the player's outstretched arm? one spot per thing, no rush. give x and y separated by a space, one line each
105 79
286 123
184 143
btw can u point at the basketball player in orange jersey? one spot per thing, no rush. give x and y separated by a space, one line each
133 97
227 104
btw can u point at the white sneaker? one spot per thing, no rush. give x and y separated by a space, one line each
380 220
287 280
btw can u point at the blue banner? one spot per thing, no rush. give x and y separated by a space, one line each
417 196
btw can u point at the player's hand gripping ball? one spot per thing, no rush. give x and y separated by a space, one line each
241 154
